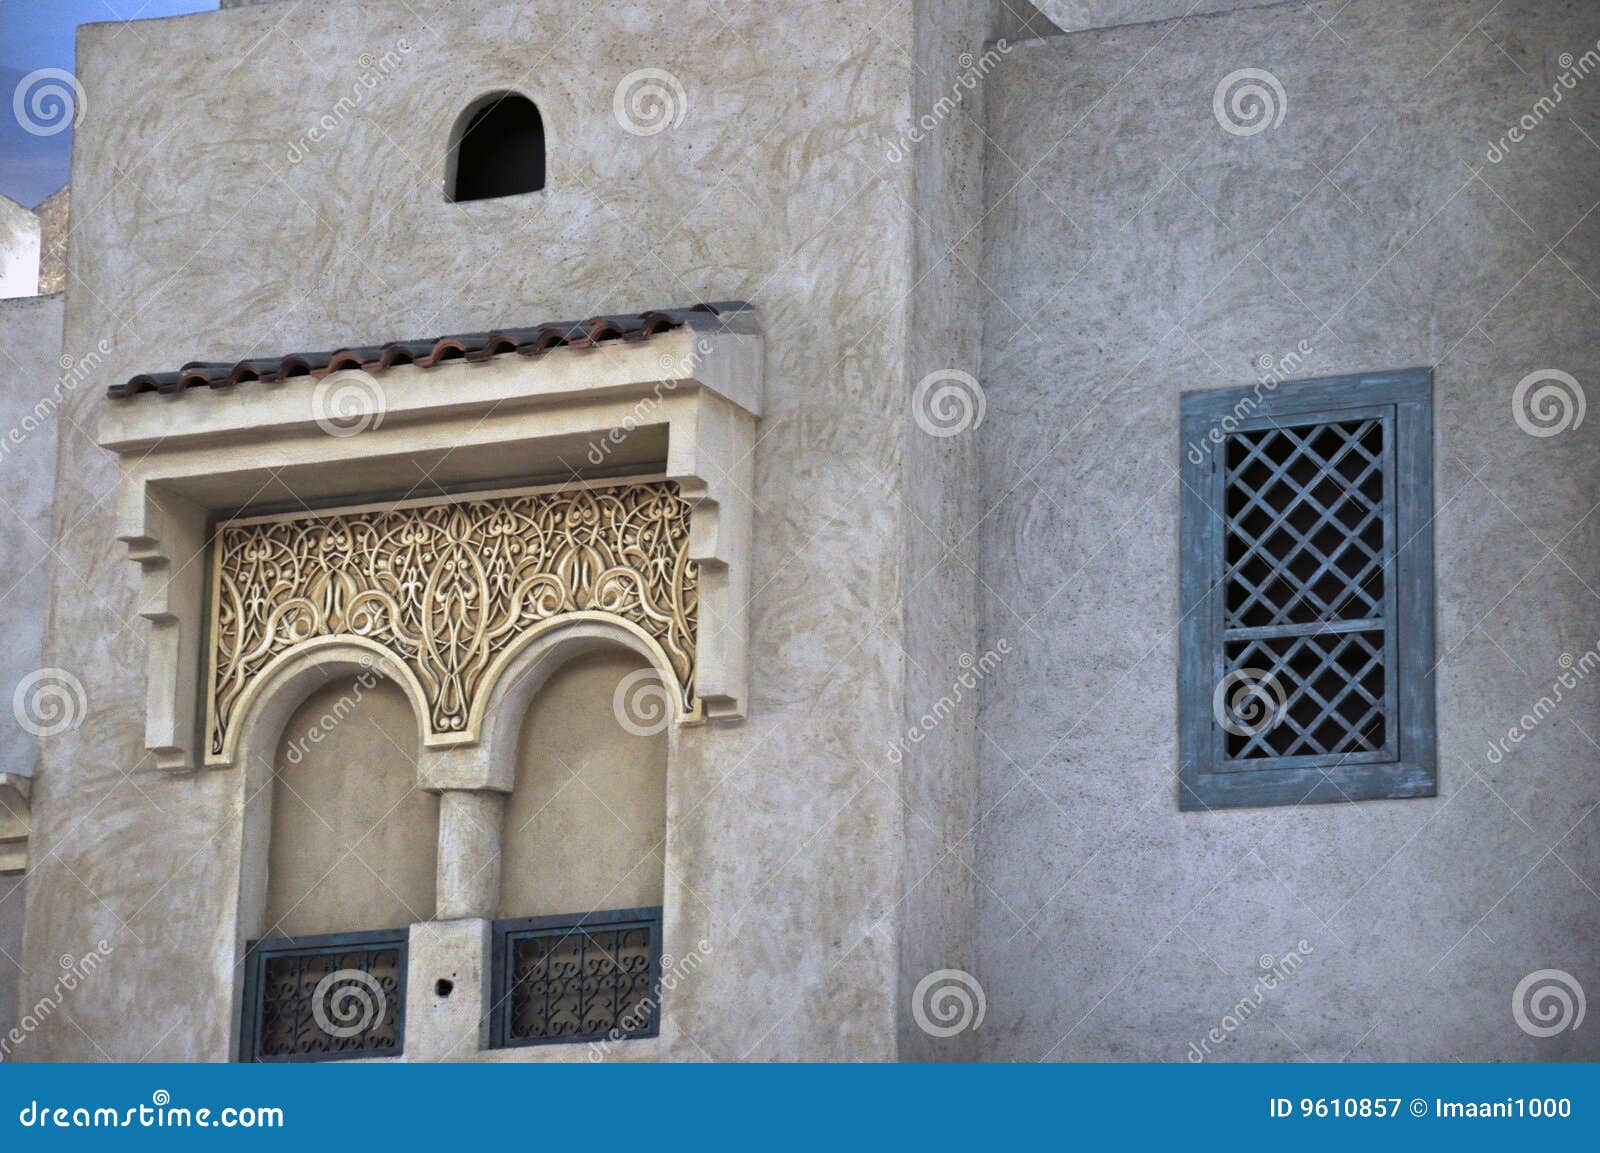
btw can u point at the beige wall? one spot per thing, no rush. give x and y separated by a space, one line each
586 822
354 841
198 236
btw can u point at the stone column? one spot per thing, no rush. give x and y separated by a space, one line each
468 880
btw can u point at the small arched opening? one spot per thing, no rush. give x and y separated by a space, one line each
497 149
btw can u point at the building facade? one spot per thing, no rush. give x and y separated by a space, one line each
723 573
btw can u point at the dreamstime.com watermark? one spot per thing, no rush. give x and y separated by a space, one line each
642 703
1547 1002
1572 71
1576 670
1249 101
334 717
74 371
348 1002
74 972
1270 374
973 71
972 674
375 70
159 1114
948 402
673 372
674 971
348 403
1249 701
1548 402
47 101
947 1002
648 101
49 702
1275 971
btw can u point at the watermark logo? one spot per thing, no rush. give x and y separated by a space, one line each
1275 972
674 972
348 1002
974 69
641 703
1249 101
649 101
74 972
948 402
947 1002
48 702
1547 1002
1548 402
348 403
1573 672
973 672
1270 373
47 101
1249 701
375 70
1573 70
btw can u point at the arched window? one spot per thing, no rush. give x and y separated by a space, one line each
496 149
586 823
354 842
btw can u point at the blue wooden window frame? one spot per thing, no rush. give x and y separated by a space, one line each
1405 763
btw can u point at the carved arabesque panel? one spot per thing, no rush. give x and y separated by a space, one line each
449 586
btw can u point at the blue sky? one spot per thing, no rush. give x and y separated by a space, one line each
38 34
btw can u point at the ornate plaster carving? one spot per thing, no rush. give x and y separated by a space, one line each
449 588
681 406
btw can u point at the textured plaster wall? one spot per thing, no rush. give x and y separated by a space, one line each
354 844
585 825
30 376
940 572
212 224
31 391
1150 251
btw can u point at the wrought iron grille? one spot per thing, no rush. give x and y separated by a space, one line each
582 977
324 998
1306 589
1305 604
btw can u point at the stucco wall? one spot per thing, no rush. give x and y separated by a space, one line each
585 824
1150 251
30 387
354 843
210 224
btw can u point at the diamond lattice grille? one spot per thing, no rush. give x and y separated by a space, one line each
1305 623
1305 525
1328 696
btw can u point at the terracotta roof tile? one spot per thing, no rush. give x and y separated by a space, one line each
530 341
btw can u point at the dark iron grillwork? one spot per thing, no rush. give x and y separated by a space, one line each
580 977
324 998
1305 601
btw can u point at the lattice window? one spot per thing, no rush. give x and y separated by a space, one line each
324 998
1307 626
585 977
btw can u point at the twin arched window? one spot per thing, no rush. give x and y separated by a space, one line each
496 149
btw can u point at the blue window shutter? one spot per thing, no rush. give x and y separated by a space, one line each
1306 590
